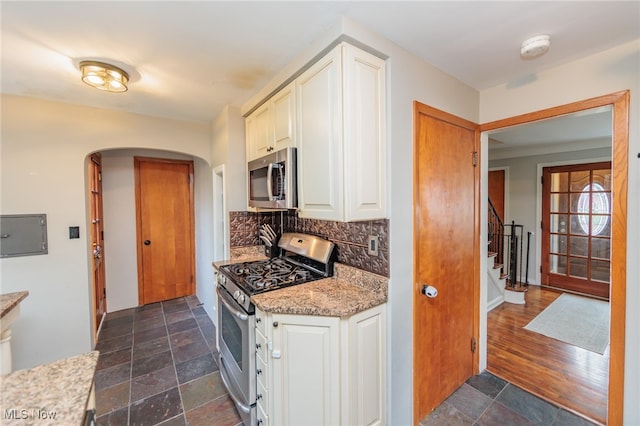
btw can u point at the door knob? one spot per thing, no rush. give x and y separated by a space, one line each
429 291
147 242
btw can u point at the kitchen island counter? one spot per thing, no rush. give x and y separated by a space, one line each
349 292
57 393
8 301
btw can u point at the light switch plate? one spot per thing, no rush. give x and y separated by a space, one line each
373 244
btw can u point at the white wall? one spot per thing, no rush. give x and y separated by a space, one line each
228 149
43 167
523 193
203 212
607 72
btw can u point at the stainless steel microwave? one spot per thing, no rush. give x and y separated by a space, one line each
272 180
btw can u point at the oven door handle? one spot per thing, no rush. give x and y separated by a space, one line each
225 301
225 380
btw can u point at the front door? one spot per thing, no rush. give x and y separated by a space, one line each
576 227
446 235
165 229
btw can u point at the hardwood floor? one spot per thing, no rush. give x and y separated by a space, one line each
569 376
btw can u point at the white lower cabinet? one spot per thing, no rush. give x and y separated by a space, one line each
323 370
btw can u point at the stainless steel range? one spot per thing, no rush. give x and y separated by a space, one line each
302 258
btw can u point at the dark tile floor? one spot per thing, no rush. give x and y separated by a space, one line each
157 367
486 400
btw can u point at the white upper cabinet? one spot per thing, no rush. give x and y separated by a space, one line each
283 106
271 127
341 137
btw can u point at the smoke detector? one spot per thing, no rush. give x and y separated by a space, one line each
535 46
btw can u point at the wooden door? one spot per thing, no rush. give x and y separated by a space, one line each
446 236
165 229
496 191
97 238
576 227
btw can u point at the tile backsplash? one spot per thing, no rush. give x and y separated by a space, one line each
350 238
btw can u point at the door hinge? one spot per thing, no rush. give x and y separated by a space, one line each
540 268
541 180
541 226
474 158
474 344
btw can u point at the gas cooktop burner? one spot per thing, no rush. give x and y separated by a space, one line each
263 275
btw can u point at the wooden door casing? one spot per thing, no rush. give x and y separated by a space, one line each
165 229
97 239
619 102
446 238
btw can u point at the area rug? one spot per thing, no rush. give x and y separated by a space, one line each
576 320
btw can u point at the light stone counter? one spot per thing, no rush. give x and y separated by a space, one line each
242 254
350 291
51 394
9 313
8 301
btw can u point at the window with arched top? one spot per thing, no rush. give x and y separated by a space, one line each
593 201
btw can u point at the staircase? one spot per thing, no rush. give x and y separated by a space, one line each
505 287
497 282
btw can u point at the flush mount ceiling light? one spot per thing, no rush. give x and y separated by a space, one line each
104 76
535 46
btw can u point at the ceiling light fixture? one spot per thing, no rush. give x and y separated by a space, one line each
535 47
104 76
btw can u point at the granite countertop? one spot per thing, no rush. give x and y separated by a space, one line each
327 297
350 291
8 301
242 254
51 394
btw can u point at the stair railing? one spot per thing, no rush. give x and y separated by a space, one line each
496 234
507 242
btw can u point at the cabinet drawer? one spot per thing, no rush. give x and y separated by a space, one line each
262 396
261 346
262 372
261 322
261 418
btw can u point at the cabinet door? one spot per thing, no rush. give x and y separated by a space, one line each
283 106
306 370
364 135
259 133
366 360
319 140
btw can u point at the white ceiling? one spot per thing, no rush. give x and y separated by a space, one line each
189 59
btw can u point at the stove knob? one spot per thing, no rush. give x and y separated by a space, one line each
236 294
241 299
